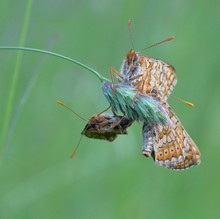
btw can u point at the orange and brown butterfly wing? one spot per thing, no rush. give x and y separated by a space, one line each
156 75
172 146
148 74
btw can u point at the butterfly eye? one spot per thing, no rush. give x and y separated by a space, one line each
154 91
135 58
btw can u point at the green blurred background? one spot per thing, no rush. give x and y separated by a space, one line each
104 180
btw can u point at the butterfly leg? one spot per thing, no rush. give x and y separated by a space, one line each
112 70
136 79
118 123
148 142
104 110
116 72
113 125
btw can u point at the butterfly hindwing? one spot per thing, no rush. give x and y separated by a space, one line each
172 146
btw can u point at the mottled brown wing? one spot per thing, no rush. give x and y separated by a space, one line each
171 146
106 127
157 76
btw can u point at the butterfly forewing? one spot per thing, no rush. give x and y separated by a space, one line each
157 75
148 74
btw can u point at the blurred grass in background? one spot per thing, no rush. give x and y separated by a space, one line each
105 180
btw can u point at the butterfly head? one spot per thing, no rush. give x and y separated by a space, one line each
130 66
131 57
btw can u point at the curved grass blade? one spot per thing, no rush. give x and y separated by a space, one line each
99 76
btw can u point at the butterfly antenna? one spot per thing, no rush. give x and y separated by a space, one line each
82 134
63 104
77 146
130 33
186 102
163 41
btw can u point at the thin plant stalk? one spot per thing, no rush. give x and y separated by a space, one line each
99 76
12 89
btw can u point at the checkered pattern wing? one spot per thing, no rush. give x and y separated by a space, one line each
170 145
157 76
148 74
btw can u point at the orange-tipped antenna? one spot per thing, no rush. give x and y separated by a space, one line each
74 152
63 104
166 40
186 102
130 33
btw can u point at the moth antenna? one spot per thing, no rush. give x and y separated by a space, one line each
184 101
130 33
63 104
163 41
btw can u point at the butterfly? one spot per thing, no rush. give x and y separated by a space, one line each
106 127
169 145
